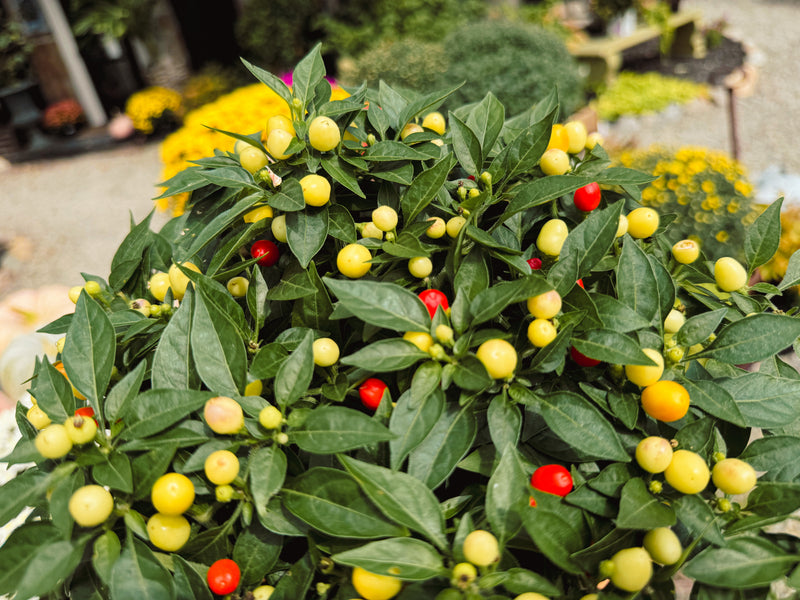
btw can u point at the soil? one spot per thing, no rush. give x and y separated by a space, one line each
712 69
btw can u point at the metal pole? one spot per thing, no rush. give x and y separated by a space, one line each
78 74
732 118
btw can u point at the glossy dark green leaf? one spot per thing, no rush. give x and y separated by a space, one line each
472 276
53 392
89 349
715 400
404 558
296 581
425 187
618 316
173 366
220 224
763 236
332 502
138 575
519 581
218 350
637 285
525 150
155 410
267 472
470 374
387 151
466 146
792 275
383 304
105 552
401 497
341 173
306 231
584 427
490 302
273 82
35 559
556 529
746 562
611 347
776 455
541 191
268 361
289 198
697 328
774 499
307 73
256 552
150 466
190 584
639 509
505 422
698 517
406 245
435 458
623 176
129 255
295 373
114 473
753 338
383 356
507 494
256 299
335 429
486 121
341 224
183 435
411 421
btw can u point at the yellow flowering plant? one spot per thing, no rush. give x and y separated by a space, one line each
642 93
707 191
154 107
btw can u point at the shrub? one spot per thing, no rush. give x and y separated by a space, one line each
357 25
276 33
426 430
207 85
155 109
519 63
642 93
706 190
405 63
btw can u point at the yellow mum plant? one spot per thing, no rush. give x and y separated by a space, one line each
148 106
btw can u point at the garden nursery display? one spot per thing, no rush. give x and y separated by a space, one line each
387 352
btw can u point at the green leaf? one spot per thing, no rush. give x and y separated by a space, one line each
53 392
639 509
115 472
333 429
637 285
296 580
470 374
342 174
233 178
623 176
774 499
525 150
306 231
436 457
763 400
388 151
584 427
156 410
611 347
425 187
129 255
308 72
401 497
267 471
505 422
256 298
490 302
105 552
507 495
219 225
486 122
26 489
289 198
557 530
332 502
89 350
715 400
341 224
697 328
138 575
753 338
271 81
173 366
763 236
411 421
472 276
148 467
35 559
618 316
406 245
466 146
776 455
404 558
189 583
218 349
256 552
268 361
295 373
384 356
792 275
746 562
382 304
541 191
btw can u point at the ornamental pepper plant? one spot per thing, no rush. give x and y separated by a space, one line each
228 390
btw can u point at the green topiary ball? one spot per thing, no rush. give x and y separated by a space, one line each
519 63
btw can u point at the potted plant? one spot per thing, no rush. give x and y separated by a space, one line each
390 354
63 117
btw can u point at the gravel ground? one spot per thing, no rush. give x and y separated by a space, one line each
69 215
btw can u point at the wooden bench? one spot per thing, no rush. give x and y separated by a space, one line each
603 55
